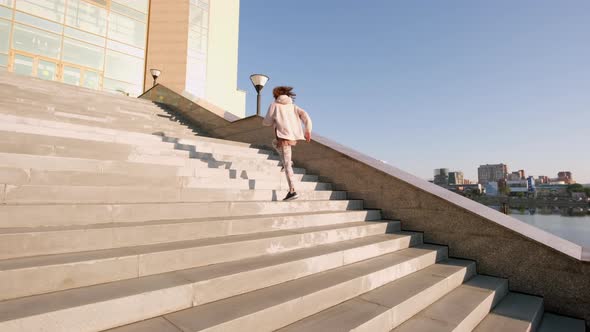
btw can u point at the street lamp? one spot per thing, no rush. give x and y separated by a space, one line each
155 74
259 81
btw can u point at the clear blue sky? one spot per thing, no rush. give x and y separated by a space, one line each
429 84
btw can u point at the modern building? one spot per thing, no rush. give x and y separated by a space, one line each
566 177
491 173
112 45
441 176
518 186
518 175
466 189
542 180
492 189
531 184
456 178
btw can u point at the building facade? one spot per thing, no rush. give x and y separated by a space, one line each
566 177
542 180
456 178
491 173
441 176
518 186
111 45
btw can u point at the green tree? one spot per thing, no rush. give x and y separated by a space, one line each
587 191
576 188
504 190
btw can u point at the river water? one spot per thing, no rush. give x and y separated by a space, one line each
573 228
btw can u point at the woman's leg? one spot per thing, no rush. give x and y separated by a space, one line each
286 155
279 149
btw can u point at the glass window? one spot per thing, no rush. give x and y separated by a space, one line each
85 36
3 60
46 70
6 13
139 5
83 54
201 3
49 9
198 17
72 75
129 12
196 69
124 67
23 65
4 36
6 3
86 16
38 22
124 48
36 41
91 80
127 30
197 43
121 87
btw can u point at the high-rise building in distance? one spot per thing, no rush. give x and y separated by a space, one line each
456 178
441 176
491 173
566 176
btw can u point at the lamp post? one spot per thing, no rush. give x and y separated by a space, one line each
155 74
258 80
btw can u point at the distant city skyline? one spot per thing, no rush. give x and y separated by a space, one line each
427 84
474 177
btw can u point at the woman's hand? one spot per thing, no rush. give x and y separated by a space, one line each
308 136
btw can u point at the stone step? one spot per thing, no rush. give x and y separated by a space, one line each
55 194
274 307
94 114
30 164
22 242
30 85
115 118
40 177
88 102
516 313
148 142
460 310
102 108
14 142
43 274
27 125
129 301
85 214
167 154
388 306
113 174
557 323
280 184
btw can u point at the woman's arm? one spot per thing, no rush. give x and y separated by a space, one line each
269 119
306 120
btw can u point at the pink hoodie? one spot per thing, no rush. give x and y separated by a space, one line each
286 117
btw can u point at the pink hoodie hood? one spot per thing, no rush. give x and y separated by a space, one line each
285 100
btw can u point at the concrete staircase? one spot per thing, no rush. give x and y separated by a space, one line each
116 216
